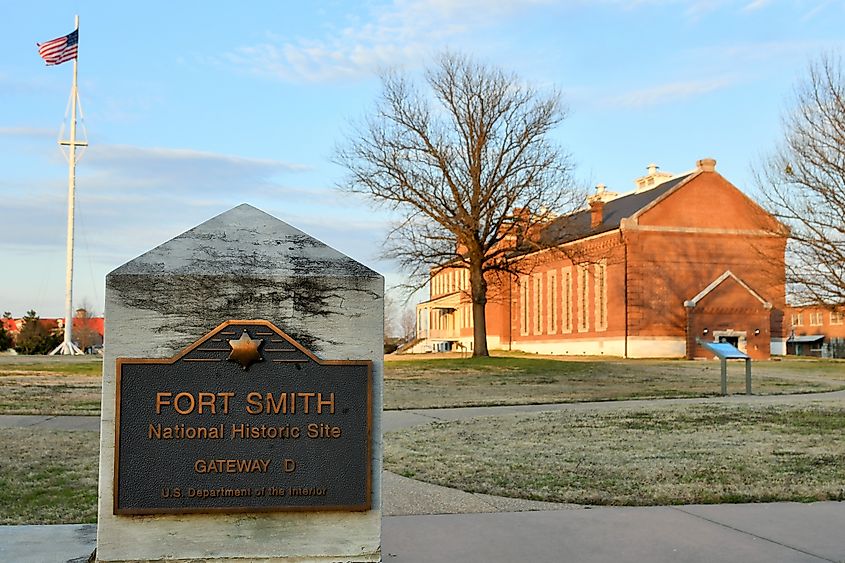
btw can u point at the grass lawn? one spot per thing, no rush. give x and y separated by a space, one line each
48 476
54 385
656 455
50 385
430 383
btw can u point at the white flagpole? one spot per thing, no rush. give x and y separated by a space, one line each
67 346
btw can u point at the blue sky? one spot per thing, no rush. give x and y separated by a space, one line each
194 107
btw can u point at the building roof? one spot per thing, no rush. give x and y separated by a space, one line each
715 283
94 323
97 324
809 338
577 225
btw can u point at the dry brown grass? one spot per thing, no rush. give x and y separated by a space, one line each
452 381
48 476
657 455
72 386
46 392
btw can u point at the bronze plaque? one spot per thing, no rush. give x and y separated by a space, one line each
243 420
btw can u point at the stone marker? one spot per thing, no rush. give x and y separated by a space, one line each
242 397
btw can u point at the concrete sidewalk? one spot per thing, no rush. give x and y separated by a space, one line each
761 533
750 533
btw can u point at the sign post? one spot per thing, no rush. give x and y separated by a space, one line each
725 352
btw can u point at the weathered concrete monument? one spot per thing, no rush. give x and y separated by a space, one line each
242 397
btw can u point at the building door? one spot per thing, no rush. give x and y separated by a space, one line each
732 340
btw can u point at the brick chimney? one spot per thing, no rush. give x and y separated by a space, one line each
596 212
706 165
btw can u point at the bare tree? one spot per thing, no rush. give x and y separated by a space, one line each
84 332
408 324
456 161
803 185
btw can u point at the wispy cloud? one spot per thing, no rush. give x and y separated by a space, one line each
130 199
667 93
27 132
745 56
755 5
816 10
124 189
15 85
398 33
179 169
403 33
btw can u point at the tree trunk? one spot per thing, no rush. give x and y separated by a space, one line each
478 288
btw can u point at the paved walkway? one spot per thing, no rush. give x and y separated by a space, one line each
749 533
394 420
428 523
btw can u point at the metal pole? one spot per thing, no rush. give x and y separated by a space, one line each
724 377
67 346
748 376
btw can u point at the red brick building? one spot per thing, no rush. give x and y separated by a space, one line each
87 331
816 331
641 274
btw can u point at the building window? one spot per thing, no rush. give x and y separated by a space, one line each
538 303
523 305
600 274
551 300
837 317
583 285
566 299
816 318
797 319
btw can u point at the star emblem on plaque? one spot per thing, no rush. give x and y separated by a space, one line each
245 350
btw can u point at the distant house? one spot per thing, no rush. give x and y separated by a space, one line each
816 330
641 274
87 331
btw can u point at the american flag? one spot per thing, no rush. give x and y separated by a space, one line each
60 50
